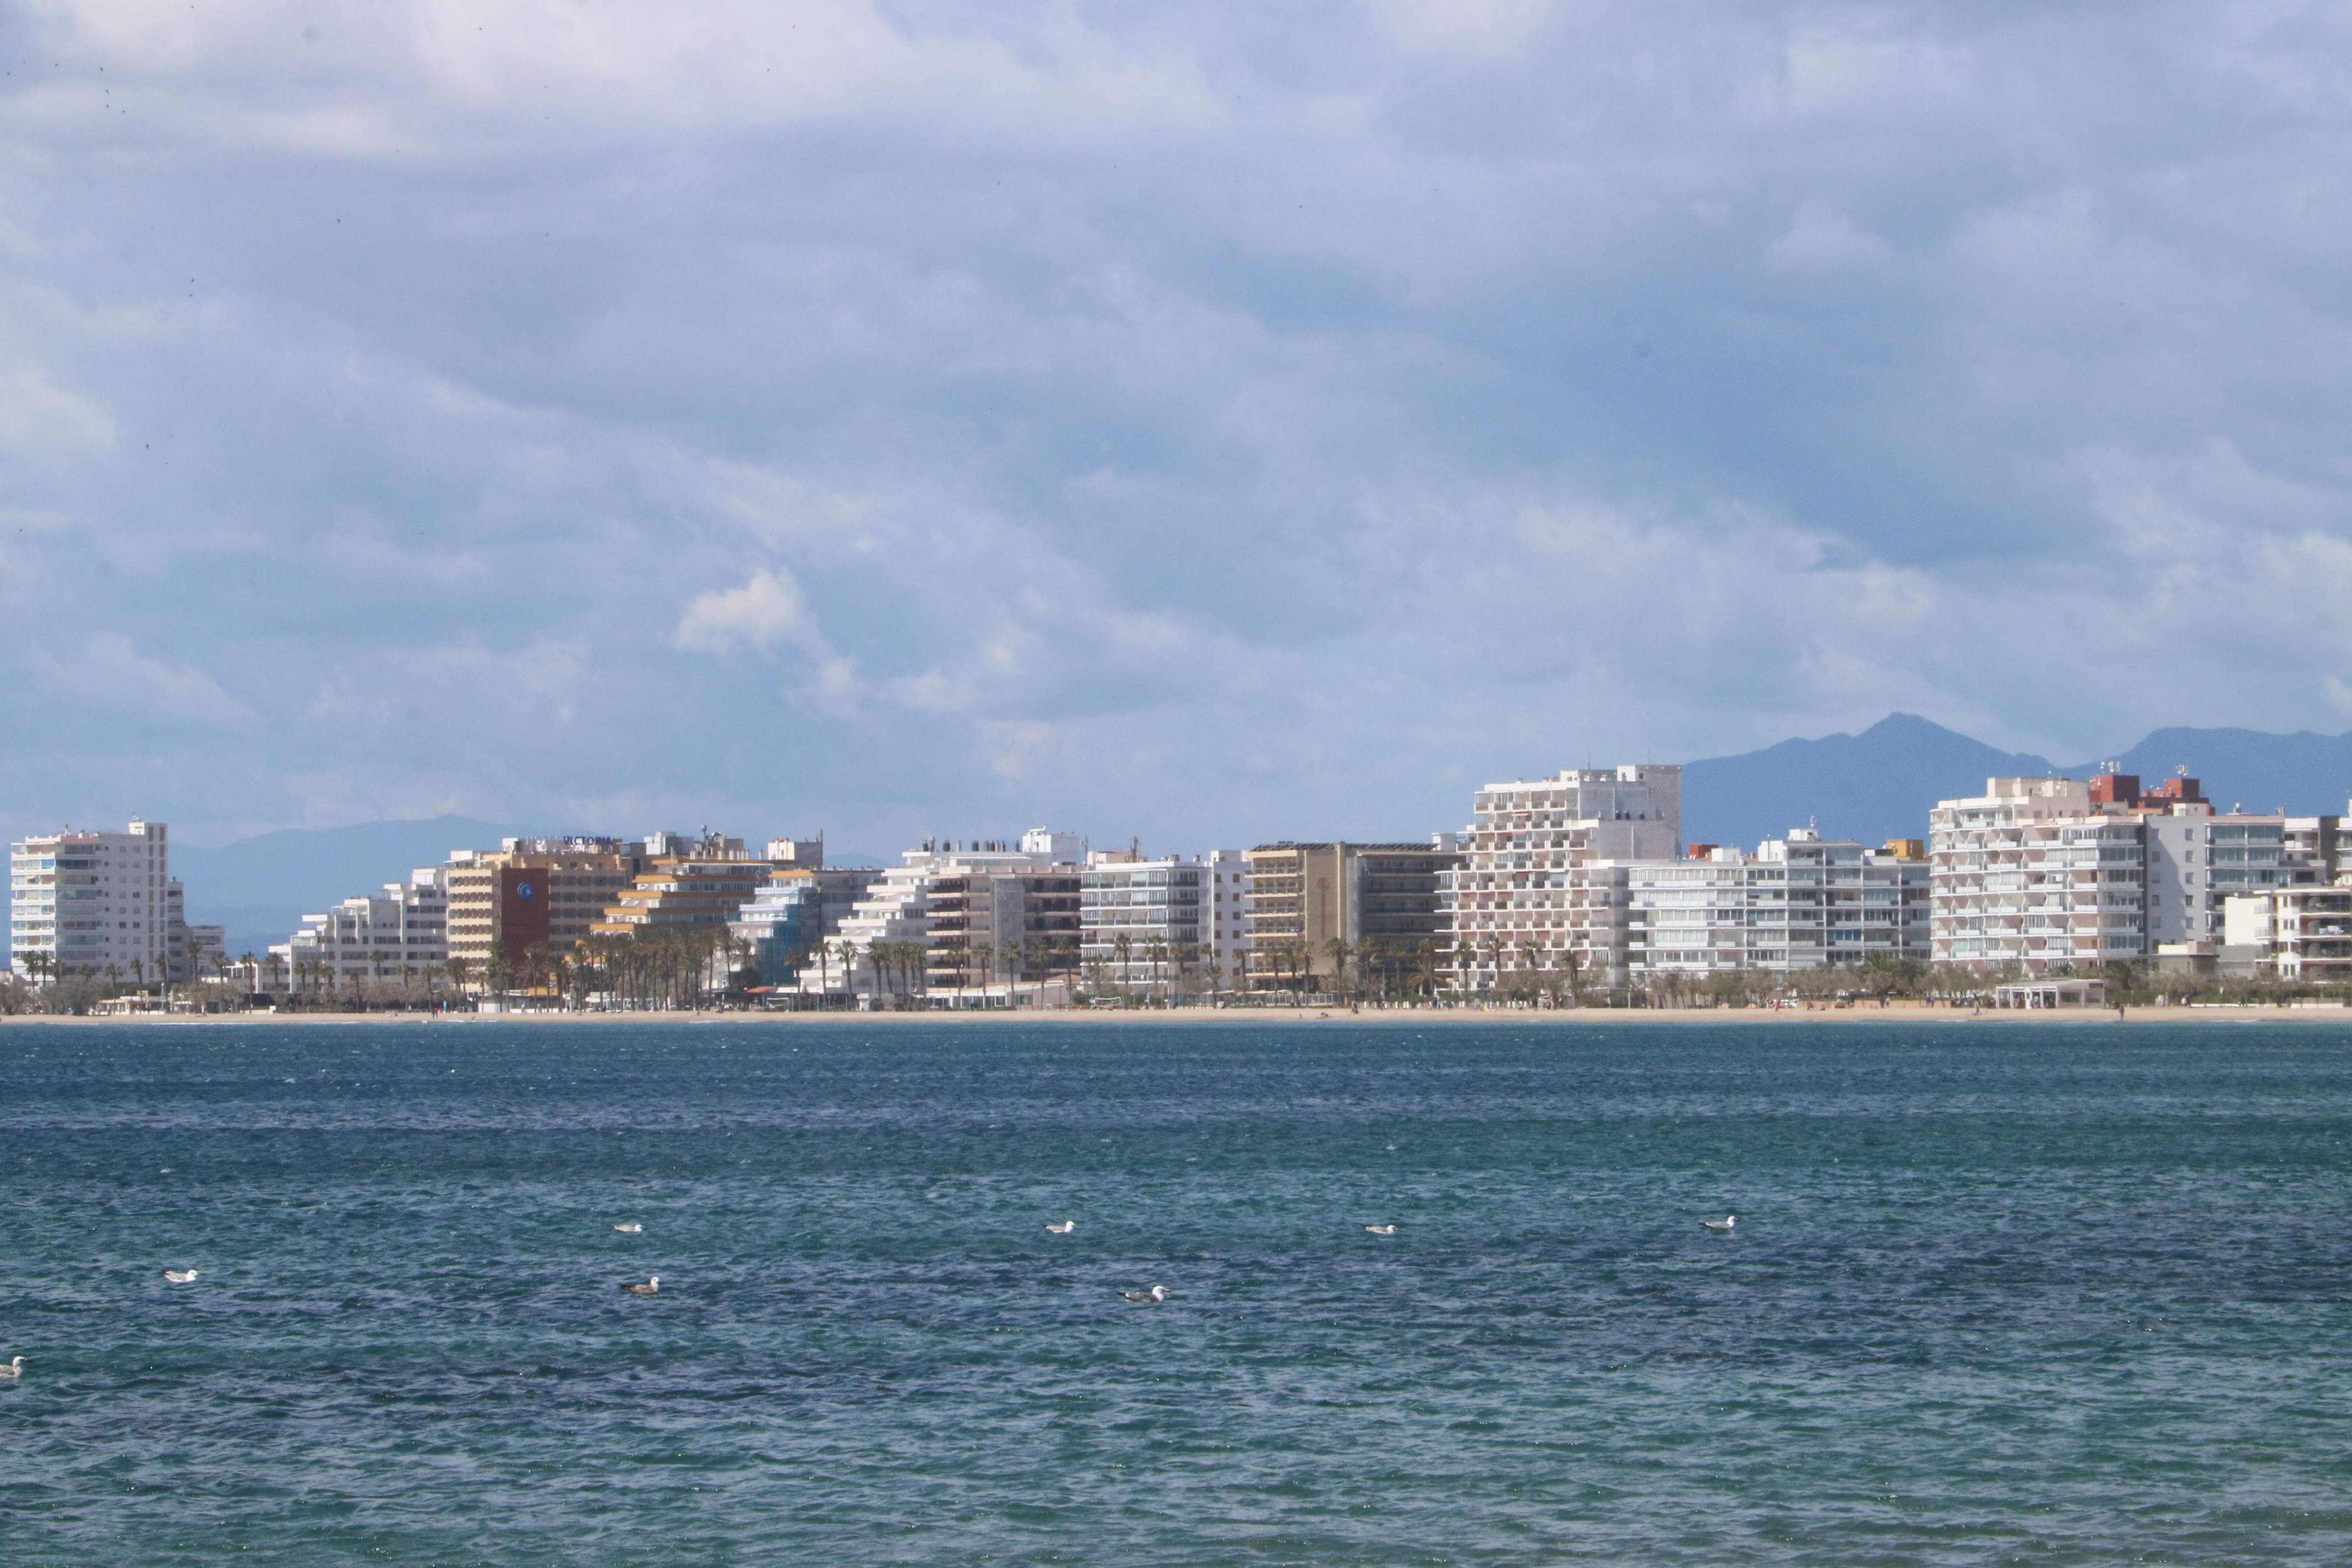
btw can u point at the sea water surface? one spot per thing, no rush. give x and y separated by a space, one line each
1997 1294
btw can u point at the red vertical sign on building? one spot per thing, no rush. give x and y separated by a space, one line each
522 908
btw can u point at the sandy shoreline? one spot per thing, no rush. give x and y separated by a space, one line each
1589 1017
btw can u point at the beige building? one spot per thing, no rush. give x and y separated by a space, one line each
1382 903
533 894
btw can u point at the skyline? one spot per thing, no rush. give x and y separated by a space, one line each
1154 420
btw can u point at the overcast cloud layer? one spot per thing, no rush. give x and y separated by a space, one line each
920 417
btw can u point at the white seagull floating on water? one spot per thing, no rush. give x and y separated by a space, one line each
15 1368
1156 1295
180 1275
652 1287
1063 1229
1381 1229
1725 1223
631 1228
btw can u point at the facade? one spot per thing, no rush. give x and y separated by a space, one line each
1167 912
793 913
96 904
1528 895
974 921
700 889
2050 872
1314 907
533 894
397 933
2031 873
1798 902
2301 933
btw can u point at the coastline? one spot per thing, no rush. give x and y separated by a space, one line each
1457 1017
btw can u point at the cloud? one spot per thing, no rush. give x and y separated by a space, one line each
37 417
145 691
762 613
1372 397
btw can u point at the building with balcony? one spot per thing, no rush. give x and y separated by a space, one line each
2036 873
2299 933
975 921
533 895
1798 902
1319 911
796 912
1160 926
1527 897
2051 872
96 905
398 933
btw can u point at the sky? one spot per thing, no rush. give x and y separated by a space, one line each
1203 424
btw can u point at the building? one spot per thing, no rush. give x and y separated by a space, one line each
2051 872
96 905
1526 898
1161 925
2298 933
400 932
795 912
1316 909
2032 873
533 895
978 920
705 888
1798 902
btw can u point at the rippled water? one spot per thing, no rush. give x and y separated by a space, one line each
1996 1295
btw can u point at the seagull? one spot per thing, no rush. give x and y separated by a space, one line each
179 1276
15 1368
1154 1295
1722 1225
652 1287
1381 1229
631 1228
1063 1229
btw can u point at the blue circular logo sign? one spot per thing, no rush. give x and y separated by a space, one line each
522 889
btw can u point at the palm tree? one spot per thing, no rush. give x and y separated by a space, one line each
1123 945
1337 950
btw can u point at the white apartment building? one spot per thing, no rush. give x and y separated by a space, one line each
2198 861
2032 873
1525 896
391 935
1798 902
2294 933
984 918
2043 872
98 905
1178 926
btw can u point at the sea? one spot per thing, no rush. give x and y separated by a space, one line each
1996 1293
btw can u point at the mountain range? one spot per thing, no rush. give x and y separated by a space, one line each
1879 784
1871 786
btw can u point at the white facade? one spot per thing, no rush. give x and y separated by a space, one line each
2043 872
2294 934
1525 896
1228 923
399 932
2197 859
97 905
984 916
1172 915
1798 902
2031 873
